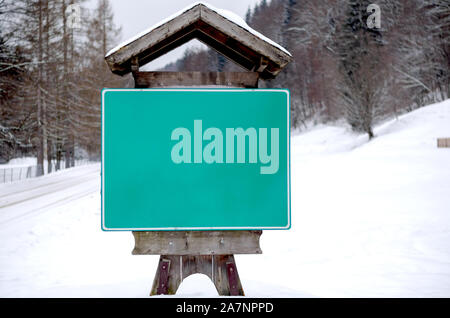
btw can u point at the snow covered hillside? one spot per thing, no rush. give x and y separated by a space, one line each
369 219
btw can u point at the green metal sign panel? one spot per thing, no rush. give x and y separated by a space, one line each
195 159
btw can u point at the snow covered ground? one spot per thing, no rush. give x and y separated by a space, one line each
19 169
369 219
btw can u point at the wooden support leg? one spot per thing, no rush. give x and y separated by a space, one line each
167 278
226 277
221 269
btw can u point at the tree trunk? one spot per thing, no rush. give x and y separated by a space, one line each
370 133
40 146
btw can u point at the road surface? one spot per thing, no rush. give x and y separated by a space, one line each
37 195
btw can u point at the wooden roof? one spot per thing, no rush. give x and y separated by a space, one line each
235 40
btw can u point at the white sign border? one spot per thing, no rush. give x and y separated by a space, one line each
286 227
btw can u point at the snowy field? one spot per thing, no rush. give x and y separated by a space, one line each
369 219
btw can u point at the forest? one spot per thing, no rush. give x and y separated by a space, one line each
52 70
353 64
345 68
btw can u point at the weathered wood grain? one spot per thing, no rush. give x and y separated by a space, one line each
183 79
119 61
223 35
196 242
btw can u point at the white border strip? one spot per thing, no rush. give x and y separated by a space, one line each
105 90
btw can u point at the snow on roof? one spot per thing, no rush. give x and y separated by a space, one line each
231 16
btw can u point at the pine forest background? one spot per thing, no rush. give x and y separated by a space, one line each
51 73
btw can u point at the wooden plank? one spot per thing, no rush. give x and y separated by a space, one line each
230 39
182 79
152 52
119 60
196 242
168 44
443 142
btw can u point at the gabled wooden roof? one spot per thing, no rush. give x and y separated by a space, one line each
219 29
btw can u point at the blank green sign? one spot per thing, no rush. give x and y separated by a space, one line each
195 159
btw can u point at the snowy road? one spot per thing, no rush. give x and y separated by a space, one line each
37 195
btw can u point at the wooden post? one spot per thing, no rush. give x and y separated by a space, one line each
221 269
184 253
